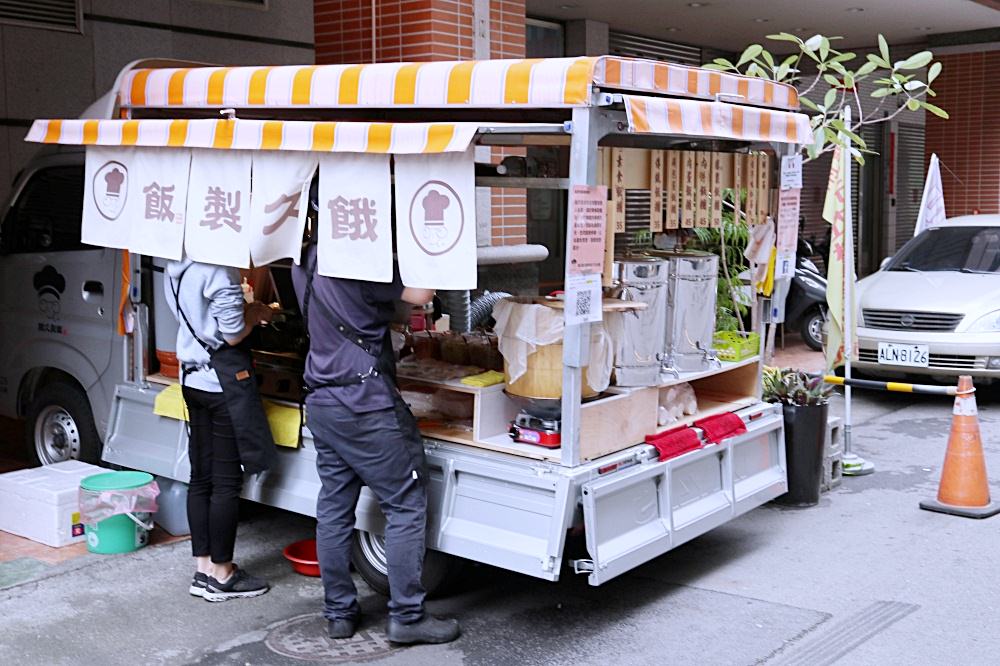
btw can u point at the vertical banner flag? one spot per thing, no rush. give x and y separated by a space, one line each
158 201
840 262
932 200
435 220
355 217
106 191
279 204
218 208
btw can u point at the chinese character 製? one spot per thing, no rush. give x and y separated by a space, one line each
221 208
158 201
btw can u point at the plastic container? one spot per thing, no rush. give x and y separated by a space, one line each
42 503
124 532
302 555
172 503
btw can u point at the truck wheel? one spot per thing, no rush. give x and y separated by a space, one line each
369 559
811 329
60 426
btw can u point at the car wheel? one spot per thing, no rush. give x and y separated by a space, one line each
811 329
368 557
60 426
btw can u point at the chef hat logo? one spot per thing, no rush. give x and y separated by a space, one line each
49 281
434 204
114 179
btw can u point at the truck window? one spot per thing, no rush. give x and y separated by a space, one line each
46 216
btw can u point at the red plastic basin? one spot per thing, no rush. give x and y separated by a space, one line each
302 555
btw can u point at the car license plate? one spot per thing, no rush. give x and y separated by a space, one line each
914 356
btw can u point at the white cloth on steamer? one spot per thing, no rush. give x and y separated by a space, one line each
524 327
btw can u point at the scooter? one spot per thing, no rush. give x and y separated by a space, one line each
805 307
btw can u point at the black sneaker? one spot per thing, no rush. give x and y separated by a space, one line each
240 585
342 627
428 629
198 584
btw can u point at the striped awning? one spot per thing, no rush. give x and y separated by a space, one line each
532 83
352 137
718 120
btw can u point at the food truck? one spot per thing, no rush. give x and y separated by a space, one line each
617 417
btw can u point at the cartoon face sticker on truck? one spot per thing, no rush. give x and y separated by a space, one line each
50 285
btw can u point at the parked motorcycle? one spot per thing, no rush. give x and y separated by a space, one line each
805 306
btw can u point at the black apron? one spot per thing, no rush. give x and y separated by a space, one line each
233 365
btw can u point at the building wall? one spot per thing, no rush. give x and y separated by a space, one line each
47 73
968 144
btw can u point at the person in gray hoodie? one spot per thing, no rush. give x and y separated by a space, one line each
209 305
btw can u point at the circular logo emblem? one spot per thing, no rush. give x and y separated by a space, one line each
906 320
110 189
436 217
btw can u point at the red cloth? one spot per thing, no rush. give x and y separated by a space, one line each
721 426
673 443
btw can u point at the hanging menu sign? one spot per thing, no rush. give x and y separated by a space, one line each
764 187
656 167
716 219
738 185
588 219
750 176
688 193
704 188
618 189
672 189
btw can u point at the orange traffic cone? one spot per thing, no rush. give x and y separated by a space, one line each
964 489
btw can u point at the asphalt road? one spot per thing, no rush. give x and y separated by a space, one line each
863 578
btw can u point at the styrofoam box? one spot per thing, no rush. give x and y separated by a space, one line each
42 504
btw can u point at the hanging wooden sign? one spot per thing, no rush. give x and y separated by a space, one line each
672 189
750 177
763 187
716 211
704 184
689 194
738 185
618 189
656 169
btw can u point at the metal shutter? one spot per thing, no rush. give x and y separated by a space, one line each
910 174
636 46
56 14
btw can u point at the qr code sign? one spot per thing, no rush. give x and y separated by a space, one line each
583 304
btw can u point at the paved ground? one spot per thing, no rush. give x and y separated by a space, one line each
864 578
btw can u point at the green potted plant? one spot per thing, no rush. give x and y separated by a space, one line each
805 401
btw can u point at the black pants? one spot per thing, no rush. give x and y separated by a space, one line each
213 500
382 450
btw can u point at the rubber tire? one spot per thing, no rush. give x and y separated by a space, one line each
440 570
805 329
75 402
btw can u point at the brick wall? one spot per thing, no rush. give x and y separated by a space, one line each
969 142
421 30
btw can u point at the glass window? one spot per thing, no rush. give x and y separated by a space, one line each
964 249
543 39
46 216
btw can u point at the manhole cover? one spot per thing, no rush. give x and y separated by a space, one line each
304 637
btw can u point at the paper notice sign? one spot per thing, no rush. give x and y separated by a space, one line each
588 217
583 299
791 172
689 195
784 265
656 169
788 220
672 189
618 189
703 183
355 218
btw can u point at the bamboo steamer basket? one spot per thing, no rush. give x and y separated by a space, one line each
543 377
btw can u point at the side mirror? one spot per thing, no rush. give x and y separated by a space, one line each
884 263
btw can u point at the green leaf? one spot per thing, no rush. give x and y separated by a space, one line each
882 92
829 98
913 85
933 72
824 48
809 104
781 72
722 62
879 62
936 110
883 48
832 80
790 60
913 104
837 67
784 37
866 69
749 54
714 67
844 57
916 61
768 58
849 80
930 93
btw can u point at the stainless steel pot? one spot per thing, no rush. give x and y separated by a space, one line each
639 348
691 288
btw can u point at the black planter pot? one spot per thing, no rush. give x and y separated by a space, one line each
805 432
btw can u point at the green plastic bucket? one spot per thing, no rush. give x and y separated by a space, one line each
123 533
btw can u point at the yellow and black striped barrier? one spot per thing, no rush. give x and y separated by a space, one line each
898 387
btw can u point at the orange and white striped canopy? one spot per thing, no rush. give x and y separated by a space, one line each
717 120
240 134
532 83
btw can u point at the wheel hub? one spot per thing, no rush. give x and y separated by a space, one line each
57 437
373 547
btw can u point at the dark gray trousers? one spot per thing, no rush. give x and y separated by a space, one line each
381 450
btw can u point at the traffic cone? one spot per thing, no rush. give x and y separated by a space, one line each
964 489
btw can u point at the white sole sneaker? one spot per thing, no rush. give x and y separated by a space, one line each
196 591
216 597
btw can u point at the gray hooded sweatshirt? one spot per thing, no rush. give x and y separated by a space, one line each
212 300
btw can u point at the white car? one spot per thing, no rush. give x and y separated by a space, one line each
934 308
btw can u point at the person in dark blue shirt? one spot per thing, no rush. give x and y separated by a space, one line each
364 434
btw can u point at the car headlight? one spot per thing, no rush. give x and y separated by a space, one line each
987 323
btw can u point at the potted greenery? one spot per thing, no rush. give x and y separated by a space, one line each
805 401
